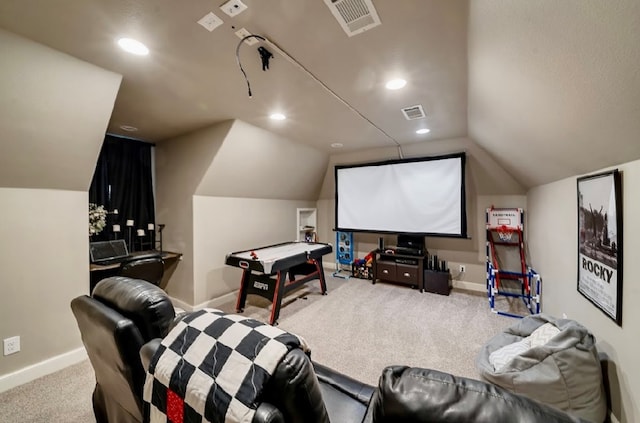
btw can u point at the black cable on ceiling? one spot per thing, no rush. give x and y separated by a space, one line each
238 59
315 78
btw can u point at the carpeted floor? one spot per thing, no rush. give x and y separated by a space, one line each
64 396
358 329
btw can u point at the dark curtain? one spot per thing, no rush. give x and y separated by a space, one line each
123 181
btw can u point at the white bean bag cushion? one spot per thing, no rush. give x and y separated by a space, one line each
560 368
542 335
502 356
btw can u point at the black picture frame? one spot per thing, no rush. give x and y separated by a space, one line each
600 242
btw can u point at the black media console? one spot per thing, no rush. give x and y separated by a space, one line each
390 266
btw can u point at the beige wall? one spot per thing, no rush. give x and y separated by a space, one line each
255 163
553 238
44 266
226 224
229 187
54 111
486 184
181 164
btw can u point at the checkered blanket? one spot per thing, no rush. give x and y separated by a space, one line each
212 367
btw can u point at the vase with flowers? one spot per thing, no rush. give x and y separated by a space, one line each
97 219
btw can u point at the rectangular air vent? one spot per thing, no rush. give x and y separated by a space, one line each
354 16
413 112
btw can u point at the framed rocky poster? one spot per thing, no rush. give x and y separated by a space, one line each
600 242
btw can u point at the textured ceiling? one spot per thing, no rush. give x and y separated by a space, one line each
191 78
554 86
550 89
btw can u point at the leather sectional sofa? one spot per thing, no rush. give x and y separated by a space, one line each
122 322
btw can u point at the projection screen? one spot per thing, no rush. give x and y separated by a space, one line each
415 196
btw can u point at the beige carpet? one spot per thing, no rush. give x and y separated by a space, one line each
64 396
358 329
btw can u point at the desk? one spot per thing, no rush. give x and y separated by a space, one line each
265 274
97 272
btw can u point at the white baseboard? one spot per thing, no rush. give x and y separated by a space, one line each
43 368
216 302
213 303
470 286
180 304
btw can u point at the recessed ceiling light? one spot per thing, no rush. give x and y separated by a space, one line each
278 116
337 145
128 128
423 131
133 46
395 84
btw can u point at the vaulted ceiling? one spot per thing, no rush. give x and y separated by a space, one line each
550 89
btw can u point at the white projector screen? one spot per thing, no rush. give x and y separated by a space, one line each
414 196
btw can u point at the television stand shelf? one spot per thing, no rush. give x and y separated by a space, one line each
404 269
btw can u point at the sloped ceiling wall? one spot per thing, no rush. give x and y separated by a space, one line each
220 178
487 177
255 163
181 164
55 110
554 87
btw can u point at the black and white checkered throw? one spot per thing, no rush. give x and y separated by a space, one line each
212 367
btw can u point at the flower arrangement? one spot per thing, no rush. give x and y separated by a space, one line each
97 219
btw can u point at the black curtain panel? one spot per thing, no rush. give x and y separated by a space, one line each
123 181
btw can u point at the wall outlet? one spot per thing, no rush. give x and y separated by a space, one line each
242 32
462 268
11 345
210 21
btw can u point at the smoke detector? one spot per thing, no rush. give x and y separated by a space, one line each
354 16
413 112
233 7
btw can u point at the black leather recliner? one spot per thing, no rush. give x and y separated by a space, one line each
123 314
299 391
115 322
302 391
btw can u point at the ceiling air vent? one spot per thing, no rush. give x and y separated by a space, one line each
354 16
413 112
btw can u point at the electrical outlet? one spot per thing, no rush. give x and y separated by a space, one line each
210 21
11 345
242 32
462 268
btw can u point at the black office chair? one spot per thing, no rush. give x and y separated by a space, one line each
148 267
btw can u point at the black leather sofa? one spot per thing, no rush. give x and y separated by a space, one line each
123 321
